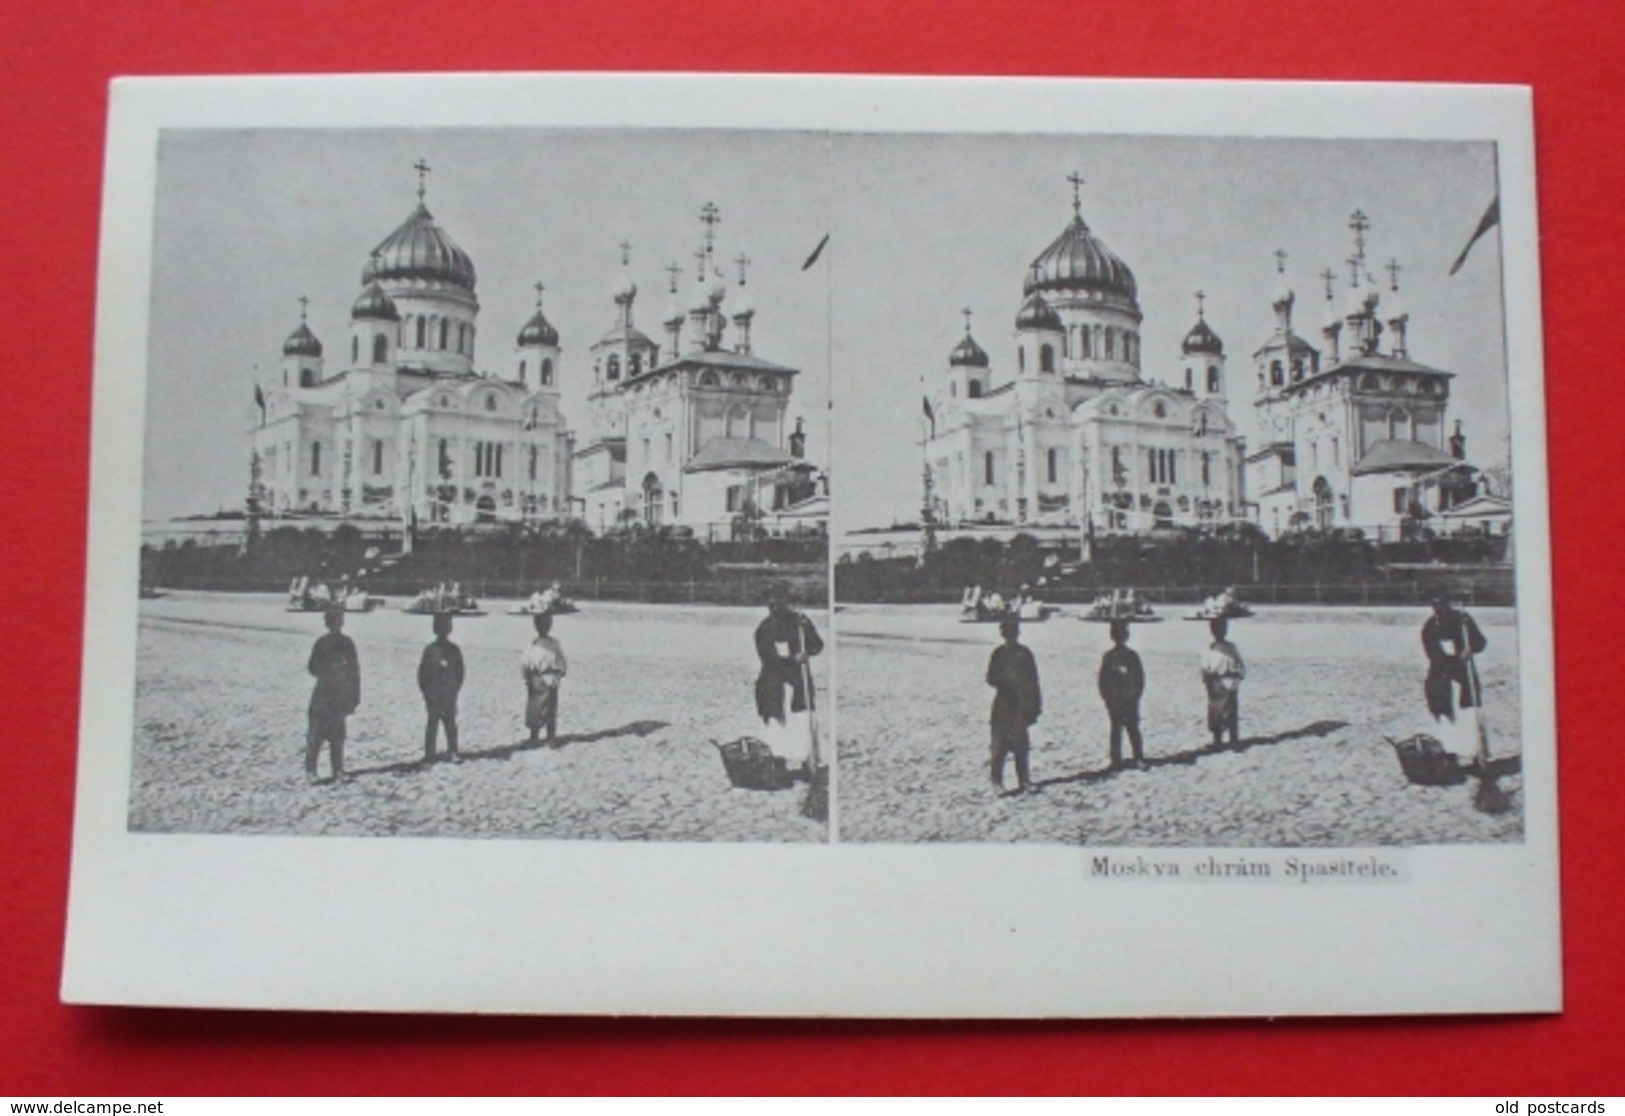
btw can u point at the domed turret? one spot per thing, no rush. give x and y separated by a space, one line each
1202 339
302 342
420 249
1036 313
374 305
538 331
968 354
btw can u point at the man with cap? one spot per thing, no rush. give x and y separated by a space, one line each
440 679
337 669
1122 681
1017 703
1450 638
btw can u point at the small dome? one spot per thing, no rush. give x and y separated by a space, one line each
1077 261
1202 339
968 354
743 304
624 289
374 304
302 342
538 331
1035 313
420 249
1394 307
1281 294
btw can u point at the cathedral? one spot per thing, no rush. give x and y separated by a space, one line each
407 430
1074 434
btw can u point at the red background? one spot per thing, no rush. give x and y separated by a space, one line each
58 57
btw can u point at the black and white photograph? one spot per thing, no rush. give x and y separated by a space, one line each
1207 536
788 546
486 486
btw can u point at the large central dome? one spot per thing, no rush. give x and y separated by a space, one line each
1078 262
420 249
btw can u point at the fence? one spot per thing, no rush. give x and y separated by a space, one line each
1472 590
808 588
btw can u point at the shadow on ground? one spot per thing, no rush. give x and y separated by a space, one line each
1185 759
508 751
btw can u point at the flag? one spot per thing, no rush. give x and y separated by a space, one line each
816 252
1491 218
930 416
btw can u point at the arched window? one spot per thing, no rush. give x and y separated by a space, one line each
307 377
1297 370
444 458
521 371
422 332
380 349
377 457
975 389
635 364
444 327
547 372
614 366
1021 359
709 379
1189 385
462 339
315 459
1046 358
987 468
1054 462
1111 343
355 350
1213 379
1277 374
1084 348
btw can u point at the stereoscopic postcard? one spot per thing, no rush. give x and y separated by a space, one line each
817 546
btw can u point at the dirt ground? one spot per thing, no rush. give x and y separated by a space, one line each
222 690
1324 686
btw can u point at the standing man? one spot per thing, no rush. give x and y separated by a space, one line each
1222 672
543 667
1122 681
1017 703
440 679
785 642
1450 637
337 669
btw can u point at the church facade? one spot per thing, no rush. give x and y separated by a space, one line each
407 429
1069 431
1351 435
694 431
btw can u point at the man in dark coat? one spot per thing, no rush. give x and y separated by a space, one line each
337 669
785 640
440 679
1122 681
1017 703
1450 637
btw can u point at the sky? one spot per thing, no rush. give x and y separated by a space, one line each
928 225
248 221
920 226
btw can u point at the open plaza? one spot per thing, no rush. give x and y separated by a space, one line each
1324 688
222 691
